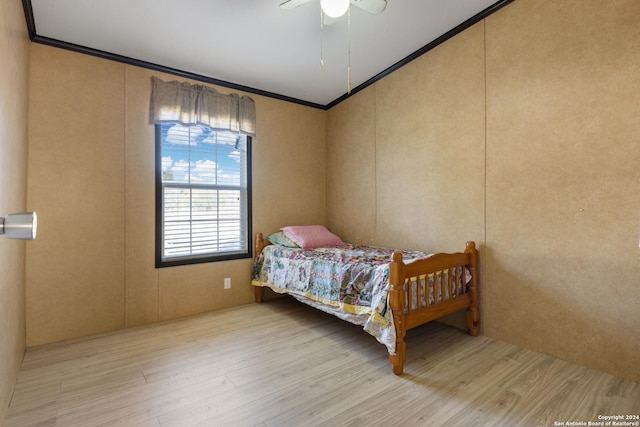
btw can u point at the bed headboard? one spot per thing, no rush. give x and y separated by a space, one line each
259 244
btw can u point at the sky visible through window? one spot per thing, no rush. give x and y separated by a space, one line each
198 155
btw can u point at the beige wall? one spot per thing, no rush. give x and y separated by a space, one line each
520 133
394 147
91 179
563 207
14 68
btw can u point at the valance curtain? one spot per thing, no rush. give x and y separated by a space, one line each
184 103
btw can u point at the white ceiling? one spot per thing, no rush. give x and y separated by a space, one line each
254 43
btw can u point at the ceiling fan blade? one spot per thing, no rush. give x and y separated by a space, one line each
290 4
372 6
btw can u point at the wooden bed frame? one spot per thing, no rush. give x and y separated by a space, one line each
405 314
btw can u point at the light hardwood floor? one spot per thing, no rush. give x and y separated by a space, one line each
282 363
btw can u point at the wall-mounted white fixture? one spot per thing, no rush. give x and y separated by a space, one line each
20 226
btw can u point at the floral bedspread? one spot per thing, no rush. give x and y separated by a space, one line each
353 280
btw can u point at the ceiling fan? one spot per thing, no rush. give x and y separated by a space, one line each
336 8
330 10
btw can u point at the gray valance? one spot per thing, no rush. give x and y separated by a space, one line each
184 103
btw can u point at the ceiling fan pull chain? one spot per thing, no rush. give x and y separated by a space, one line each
321 38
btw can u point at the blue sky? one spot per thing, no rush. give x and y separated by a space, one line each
199 154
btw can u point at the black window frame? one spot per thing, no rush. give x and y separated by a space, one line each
204 258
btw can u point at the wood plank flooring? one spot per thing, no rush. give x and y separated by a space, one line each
282 363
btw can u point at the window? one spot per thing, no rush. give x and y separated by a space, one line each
203 195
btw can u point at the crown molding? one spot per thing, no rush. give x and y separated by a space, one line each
35 38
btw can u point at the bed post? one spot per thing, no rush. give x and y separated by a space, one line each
259 244
397 304
473 314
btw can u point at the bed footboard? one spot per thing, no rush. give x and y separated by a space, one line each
428 289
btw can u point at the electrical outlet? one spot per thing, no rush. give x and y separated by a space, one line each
227 282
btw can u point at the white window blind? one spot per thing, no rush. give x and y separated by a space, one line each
204 205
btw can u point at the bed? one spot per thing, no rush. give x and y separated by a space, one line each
386 291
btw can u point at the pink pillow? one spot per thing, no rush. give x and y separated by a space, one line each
311 236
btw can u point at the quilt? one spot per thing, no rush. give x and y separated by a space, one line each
350 281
